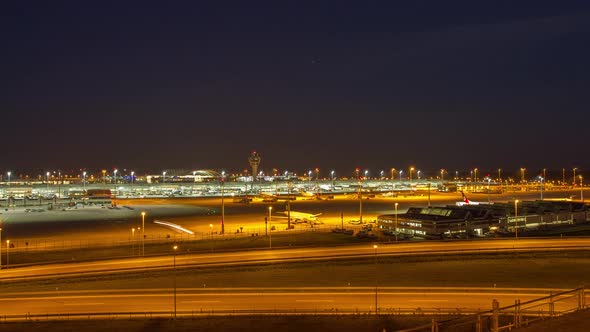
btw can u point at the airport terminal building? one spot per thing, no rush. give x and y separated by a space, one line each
484 219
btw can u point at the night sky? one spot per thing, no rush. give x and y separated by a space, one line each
334 85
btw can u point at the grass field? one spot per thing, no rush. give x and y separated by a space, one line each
194 246
266 323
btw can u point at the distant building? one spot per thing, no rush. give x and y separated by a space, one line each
435 222
184 176
482 219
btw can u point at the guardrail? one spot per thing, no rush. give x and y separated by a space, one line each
37 245
513 316
240 312
441 319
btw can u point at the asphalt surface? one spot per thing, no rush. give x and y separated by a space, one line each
273 300
202 216
291 255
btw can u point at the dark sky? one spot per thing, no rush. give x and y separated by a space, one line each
194 84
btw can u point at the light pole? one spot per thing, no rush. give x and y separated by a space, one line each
164 177
442 175
381 175
574 177
194 181
142 233
396 204
222 202
376 280
309 176
516 218
392 184
84 179
475 173
544 173
582 188
132 177
522 169
133 241
418 174
115 176
211 230
59 184
332 176
489 181
542 179
7 251
174 263
9 173
411 170
401 171
270 224
47 174
360 185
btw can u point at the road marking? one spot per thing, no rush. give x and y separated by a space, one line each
80 304
199 301
314 300
428 300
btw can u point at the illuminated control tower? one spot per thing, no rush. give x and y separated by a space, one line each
254 161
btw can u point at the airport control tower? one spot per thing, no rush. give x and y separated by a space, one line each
254 161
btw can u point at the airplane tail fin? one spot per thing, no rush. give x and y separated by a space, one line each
465 199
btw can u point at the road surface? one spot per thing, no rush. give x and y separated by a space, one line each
289 300
291 255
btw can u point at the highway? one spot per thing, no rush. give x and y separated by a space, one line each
283 300
185 260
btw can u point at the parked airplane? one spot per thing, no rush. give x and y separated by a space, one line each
306 194
302 217
466 201
266 198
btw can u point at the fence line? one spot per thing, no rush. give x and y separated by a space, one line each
38 245
521 314
241 312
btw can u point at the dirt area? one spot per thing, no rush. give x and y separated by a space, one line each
559 270
575 322
266 323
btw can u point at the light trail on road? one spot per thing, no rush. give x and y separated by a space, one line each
286 300
291 255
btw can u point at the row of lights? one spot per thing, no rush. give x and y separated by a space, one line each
473 174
